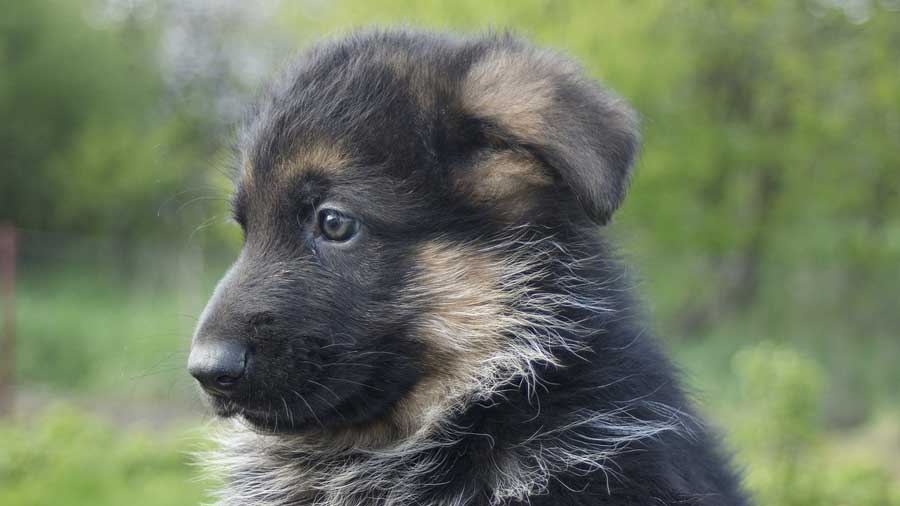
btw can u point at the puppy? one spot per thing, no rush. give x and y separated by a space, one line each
423 311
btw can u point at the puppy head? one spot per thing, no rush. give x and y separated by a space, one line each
380 180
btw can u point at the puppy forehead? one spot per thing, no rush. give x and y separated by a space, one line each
401 105
330 107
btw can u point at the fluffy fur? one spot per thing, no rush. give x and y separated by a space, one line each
474 343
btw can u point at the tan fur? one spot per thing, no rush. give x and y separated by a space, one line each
461 328
324 157
465 297
514 89
468 293
419 78
506 180
464 287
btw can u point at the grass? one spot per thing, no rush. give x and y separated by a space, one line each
67 457
114 345
86 330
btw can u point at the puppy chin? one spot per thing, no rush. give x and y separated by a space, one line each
222 407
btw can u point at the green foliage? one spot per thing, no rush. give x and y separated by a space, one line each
791 460
66 457
114 340
89 143
94 325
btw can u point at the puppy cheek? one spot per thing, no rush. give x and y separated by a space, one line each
459 327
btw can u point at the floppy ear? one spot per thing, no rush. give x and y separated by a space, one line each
543 102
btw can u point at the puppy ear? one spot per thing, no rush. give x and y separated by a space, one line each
543 102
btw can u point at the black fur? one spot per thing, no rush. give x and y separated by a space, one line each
333 341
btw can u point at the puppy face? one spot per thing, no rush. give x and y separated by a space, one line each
383 180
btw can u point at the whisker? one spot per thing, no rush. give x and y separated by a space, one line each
331 406
336 396
356 383
313 413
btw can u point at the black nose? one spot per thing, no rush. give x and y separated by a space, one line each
219 367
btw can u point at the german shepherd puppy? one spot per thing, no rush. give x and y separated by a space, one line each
423 311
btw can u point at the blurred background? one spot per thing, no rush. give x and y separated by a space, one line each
763 221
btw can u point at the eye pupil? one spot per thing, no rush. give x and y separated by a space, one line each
336 226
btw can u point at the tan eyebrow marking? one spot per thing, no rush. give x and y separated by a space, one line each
328 158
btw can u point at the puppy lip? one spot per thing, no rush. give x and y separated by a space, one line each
227 407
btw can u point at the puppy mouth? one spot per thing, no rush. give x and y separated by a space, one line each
276 417
261 420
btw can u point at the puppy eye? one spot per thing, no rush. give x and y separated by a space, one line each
336 226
